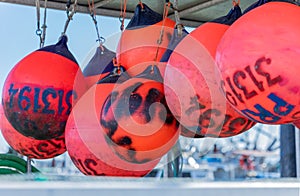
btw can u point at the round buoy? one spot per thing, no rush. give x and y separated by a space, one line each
32 148
87 142
38 92
137 120
191 89
258 63
144 40
100 65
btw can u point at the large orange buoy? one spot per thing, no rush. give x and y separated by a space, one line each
137 120
32 148
38 92
100 65
258 63
191 89
138 46
86 139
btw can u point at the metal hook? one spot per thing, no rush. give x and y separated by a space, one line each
101 40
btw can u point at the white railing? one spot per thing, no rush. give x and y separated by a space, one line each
147 187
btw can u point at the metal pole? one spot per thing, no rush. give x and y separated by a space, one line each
287 151
166 167
29 168
172 162
297 142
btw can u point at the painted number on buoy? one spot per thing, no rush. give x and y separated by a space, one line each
87 166
207 116
205 119
234 125
240 91
44 148
47 96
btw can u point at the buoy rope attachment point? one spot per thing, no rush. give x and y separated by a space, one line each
118 69
236 3
141 4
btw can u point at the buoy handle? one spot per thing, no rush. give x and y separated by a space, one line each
234 3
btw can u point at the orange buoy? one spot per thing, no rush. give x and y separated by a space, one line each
138 46
191 89
100 65
38 92
86 139
137 120
32 148
258 63
177 36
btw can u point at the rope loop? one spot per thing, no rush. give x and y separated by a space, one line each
141 4
234 3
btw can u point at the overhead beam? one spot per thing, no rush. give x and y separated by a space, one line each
102 3
198 7
98 11
190 23
79 8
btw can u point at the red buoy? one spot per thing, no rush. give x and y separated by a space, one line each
39 91
138 46
191 89
87 142
137 120
258 63
32 148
